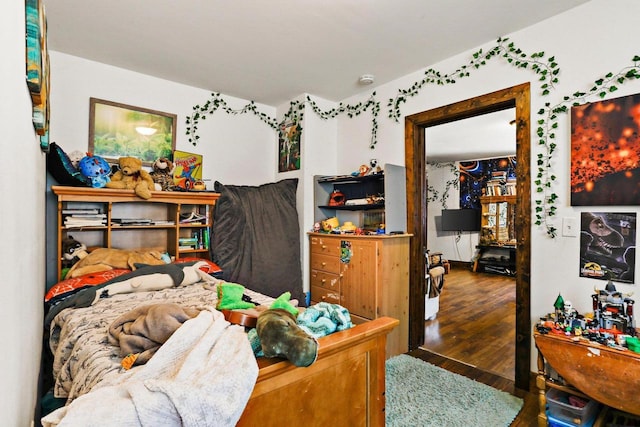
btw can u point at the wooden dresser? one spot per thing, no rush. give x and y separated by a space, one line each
368 275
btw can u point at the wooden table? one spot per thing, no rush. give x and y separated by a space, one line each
602 373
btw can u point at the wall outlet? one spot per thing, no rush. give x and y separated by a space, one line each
570 227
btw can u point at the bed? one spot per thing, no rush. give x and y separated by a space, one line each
345 383
206 373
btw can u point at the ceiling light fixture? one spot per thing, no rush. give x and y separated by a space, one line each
366 79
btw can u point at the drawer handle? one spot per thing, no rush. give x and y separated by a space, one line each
323 298
324 246
323 264
323 281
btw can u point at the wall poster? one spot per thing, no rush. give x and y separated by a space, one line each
608 246
605 152
187 169
289 147
476 175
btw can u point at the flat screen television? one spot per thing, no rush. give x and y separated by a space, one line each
460 220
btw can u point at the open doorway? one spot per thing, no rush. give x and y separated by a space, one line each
415 147
472 319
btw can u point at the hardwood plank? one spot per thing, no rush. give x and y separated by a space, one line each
476 321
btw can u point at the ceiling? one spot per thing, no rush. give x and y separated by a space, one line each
273 51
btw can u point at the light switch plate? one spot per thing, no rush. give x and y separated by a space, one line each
570 227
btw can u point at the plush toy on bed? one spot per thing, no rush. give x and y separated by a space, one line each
72 252
162 174
103 259
131 176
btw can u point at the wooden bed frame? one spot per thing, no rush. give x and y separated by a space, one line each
345 386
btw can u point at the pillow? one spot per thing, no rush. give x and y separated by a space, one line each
212 268
256 237
60 167
67 286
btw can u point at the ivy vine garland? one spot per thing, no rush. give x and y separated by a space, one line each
433 195
546 69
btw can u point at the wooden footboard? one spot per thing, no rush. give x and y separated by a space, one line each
345 386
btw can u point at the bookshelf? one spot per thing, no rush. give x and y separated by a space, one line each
178 222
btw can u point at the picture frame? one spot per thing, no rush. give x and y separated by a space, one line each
605 152
289 146
120 130
37 68
187 169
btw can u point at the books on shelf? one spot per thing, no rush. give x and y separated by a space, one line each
81 211
79 220
199 240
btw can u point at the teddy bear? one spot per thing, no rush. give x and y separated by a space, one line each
162 174
131 176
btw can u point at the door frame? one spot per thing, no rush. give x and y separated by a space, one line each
416 185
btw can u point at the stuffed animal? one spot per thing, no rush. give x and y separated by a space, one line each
131 176
104 259
95 169
280 336
162 174
72 252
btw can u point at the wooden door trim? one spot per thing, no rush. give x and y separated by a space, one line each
415 162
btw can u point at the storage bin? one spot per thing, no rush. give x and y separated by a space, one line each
561 409
554 422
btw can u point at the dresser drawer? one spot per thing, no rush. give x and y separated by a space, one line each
330 264
325 245
324 295
325 280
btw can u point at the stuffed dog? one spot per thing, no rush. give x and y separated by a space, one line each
103 259
280 336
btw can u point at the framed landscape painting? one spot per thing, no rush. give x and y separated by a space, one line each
119 130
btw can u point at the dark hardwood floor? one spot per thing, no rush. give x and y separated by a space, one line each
473 334
476 321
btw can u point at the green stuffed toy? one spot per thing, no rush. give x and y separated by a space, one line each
283 302
230 297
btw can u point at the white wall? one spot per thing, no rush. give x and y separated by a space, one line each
236 149
21 227
586 46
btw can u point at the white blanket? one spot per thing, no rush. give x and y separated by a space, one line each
202 376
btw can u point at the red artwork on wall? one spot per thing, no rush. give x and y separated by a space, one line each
605 152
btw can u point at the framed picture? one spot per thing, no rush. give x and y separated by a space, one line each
608 246
119 130
605 152
187 169
289 147
37 68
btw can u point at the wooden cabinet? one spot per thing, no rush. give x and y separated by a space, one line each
368 275
498 219
164 224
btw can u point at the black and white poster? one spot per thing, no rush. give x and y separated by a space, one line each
608 246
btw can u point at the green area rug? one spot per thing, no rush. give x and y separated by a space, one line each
423 395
